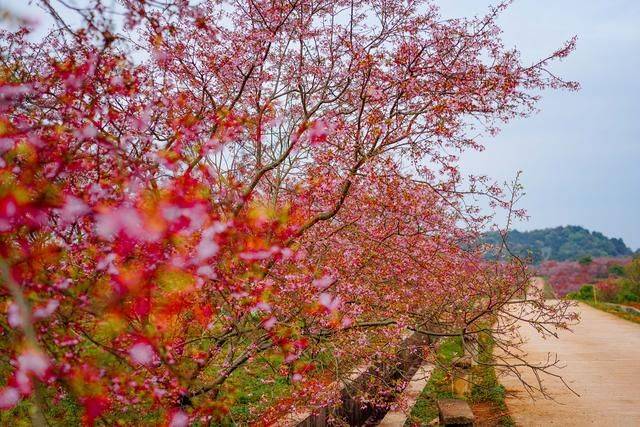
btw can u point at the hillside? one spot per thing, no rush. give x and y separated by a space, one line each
561 244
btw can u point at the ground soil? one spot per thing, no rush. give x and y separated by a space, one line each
487 414
633 304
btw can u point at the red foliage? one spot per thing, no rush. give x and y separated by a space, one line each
606 290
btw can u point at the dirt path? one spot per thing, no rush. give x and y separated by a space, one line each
602 358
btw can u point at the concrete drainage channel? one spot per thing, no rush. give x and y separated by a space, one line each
452 412
411 393
624 308
409 365
356 413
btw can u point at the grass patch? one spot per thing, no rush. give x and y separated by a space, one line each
486 397
251 389
258 385
617 311
57 413
547 290
438 386
486 391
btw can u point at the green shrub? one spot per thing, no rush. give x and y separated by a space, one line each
585 292
616 270
632 271
586 260
627 297
608 290
629 291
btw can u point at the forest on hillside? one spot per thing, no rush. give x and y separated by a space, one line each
564 243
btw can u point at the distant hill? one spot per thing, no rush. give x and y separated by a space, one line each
561 244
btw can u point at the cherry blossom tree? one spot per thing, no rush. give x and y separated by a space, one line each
569 276
189 190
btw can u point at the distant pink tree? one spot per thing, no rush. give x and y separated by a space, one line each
569 276
606 290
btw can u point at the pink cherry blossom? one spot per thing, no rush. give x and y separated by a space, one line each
269 323
207 248
329 302
73 209
319 131
255 255
9 397
141 353
323 283
46 310
13 315
33 362
179 419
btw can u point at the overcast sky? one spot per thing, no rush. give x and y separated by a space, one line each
580 156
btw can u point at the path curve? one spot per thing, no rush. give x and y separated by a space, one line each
602 364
